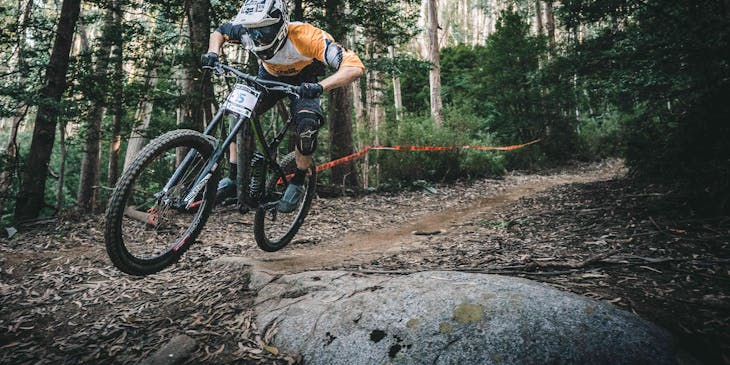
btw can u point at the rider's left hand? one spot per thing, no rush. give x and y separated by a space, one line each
311 90
209 59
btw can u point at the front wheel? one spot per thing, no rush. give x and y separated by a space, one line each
147 227
272 229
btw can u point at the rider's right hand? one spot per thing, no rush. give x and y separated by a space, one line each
209 60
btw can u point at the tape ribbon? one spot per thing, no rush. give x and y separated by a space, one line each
367 149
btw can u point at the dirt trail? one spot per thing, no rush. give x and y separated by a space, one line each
362 247
62 302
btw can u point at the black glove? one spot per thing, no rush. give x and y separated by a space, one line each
310 90
209 59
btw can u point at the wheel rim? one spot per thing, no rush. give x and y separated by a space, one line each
278 228
155 225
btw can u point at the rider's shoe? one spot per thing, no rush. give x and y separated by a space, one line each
291 198
226 190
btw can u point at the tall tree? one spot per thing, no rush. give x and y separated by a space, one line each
397 95
31 195
97 93
200 94
434 58
340 106
142 117
105 93
538 16
550 23
116 102
9 156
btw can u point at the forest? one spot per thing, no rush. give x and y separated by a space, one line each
86 84
515 181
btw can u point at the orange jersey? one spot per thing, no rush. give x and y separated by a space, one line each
304 44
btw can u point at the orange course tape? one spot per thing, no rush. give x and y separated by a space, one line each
342 160
367 149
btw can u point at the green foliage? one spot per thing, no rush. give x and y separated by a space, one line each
504 84
459 129
602 136
664 66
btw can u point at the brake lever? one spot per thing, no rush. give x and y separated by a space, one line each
293 91
217 69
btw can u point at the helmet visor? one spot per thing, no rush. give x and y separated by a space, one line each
264 36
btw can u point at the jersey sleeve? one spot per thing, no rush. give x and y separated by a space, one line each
231 32
315 43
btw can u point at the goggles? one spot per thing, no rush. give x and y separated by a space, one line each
264 36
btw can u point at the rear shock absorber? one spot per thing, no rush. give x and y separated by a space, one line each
258 174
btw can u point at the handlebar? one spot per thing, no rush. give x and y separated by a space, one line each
268 85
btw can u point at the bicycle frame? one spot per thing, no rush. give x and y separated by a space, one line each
268 151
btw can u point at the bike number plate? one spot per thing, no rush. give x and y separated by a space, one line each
242 100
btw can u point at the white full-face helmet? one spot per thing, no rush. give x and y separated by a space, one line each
266 23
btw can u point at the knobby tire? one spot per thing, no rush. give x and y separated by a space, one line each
262 222
119 204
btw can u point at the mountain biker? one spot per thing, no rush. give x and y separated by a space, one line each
294 53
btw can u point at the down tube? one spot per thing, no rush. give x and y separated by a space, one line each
191 154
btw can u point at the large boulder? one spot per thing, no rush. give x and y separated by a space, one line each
449 318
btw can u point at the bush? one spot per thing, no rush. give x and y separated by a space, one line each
461 128
602 136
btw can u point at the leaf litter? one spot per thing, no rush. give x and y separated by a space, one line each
584 229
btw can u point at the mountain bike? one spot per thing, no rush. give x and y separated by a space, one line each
164 198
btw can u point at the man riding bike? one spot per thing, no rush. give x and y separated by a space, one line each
294 53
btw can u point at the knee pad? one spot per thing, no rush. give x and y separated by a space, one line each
307 127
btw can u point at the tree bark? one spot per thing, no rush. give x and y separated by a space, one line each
340 133
89 178
31 195
434 58
550 24
117 99
10 155
62 168
538 16
89 174
142 119
340 108
200 97
397 95
11 160
423 41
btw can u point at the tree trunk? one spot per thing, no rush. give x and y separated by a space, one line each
340 108
434 58
375 112
340 133
200 97
397 95
117 99
62 168
423 42
11 159
10 155
142 119
31 195
550 24
89 176
538 16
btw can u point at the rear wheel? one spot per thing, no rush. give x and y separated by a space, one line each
272 229
146 228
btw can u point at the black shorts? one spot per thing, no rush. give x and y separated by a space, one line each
308 74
